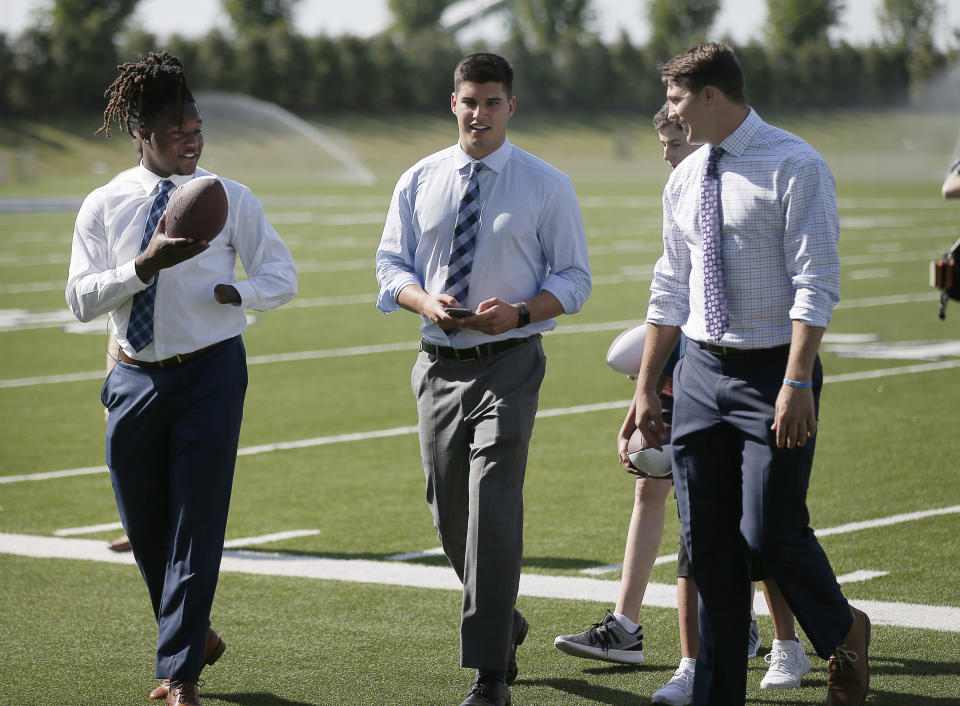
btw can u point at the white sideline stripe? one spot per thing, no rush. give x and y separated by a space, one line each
264 538
887 372
406 556
324 440
90 529
825 532
940 618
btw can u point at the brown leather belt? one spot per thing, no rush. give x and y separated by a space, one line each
167 363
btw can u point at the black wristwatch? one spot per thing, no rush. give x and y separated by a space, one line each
524 317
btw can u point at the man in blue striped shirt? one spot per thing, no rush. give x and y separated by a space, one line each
750 273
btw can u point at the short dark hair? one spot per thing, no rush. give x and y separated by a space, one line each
711 64
662 118
483 68
144 90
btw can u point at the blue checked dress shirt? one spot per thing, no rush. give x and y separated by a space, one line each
530 237
780 229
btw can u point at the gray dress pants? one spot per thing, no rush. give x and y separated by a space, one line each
476 418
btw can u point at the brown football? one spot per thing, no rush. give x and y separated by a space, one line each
198 209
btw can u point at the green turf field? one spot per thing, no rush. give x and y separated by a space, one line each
78 631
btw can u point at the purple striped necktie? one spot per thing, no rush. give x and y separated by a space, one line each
711 222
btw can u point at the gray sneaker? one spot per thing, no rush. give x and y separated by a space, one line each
606 640
754 644
676 692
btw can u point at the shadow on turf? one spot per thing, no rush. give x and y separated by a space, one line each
586 690
257 699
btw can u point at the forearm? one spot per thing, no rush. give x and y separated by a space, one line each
804 344
657 347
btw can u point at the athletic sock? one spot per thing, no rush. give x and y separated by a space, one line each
626 623
688 664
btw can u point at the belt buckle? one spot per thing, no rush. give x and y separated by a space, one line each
460 354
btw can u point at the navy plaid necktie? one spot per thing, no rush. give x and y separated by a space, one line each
464 238
140 326
711 220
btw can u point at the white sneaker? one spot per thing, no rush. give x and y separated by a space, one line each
788 665
676 692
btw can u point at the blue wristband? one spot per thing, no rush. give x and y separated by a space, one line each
794 383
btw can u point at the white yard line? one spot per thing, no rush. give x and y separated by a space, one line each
89 529
391 573
265 538
825 532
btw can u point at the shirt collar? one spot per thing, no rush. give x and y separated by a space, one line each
149 180
494 161
737 141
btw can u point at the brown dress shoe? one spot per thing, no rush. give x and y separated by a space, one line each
183 693
211 653
120 544
848 676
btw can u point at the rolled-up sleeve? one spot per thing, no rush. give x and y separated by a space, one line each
397 250
564 242
271 272
95 286
670 289
811 234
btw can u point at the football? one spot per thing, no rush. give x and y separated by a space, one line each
626 351
649 461
197 210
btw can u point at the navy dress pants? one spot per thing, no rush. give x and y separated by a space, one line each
743 506
172 440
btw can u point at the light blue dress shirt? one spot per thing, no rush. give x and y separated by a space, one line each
530 237
780 234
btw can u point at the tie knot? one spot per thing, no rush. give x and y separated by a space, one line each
475 168
165 186
716 153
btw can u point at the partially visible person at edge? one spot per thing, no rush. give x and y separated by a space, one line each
175 396
619 637
750 273
489 233
951 185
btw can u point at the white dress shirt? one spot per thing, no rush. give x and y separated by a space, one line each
103 277
779 238
530 236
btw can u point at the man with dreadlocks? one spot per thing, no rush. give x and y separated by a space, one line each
176 394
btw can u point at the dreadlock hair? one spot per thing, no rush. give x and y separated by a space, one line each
144 89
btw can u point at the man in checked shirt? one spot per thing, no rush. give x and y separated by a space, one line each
750 273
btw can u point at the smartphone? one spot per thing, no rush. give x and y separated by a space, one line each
458 312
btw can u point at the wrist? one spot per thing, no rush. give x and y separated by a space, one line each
523 316
797 383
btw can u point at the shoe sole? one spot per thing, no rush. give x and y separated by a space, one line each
217 652
517 641
615 656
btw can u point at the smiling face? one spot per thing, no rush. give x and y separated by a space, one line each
691 109
675 145
172 147
482 111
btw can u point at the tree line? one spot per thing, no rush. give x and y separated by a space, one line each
67 58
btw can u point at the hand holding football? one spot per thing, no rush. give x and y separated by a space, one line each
197 210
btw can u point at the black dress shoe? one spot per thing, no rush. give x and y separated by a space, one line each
520 628
487 692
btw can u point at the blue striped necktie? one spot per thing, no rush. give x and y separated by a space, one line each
464 238
711 221
140 326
